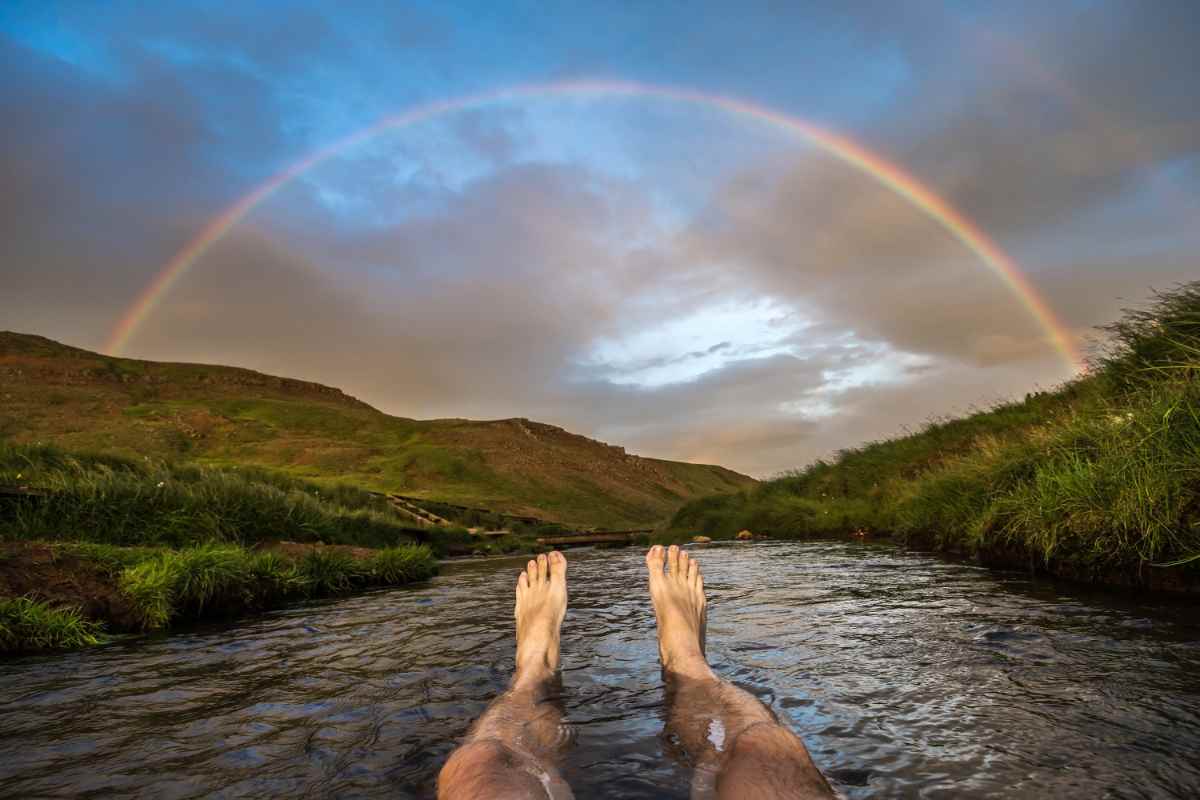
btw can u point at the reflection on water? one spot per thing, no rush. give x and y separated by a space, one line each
906 676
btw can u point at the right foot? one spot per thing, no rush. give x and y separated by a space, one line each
541 606
679 605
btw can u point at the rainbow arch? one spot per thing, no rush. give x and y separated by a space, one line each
844 149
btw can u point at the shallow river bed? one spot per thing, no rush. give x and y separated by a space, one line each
907 677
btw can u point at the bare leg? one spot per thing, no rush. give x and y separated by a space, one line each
509 752
739 747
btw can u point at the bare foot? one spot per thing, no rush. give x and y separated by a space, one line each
679 605
541 606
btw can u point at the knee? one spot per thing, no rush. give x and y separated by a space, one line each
486 768
768 760
763 739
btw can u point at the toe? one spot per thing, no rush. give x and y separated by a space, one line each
684 561
693 571
558 565
654 559
673 559
522 584
543 567
532 569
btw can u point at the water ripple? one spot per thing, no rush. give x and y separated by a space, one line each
906 676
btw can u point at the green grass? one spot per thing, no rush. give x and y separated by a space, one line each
167 586
176 539
28 625
113 500
400 565
1101 476
216 580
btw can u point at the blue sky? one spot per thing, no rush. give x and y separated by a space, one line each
664 275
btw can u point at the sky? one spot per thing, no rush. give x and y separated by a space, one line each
655 268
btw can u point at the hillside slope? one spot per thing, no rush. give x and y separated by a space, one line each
226 416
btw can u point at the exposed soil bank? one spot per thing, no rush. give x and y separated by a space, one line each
54 575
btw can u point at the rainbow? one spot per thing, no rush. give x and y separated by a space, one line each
844 149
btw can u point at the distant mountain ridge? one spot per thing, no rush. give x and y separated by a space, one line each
229 416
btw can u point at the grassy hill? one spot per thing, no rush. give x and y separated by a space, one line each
1098 481
227 417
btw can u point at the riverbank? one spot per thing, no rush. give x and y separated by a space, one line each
93 545
56 595
1097 482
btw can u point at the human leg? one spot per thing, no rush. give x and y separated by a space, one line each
510 751
739 747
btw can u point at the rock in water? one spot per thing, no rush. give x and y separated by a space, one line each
744 536
701 539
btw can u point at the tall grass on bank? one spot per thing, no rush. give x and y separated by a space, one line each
28 625
165 587
121 501
225 580
1102 475
34 461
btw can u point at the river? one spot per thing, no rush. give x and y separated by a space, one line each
907 676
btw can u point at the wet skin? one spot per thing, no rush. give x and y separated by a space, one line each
738 747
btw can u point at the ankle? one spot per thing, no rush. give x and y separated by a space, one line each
532 673
689 665
537 658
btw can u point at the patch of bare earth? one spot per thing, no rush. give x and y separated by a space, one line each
50 574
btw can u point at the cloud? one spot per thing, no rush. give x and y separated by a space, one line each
102 182
488 133
474 270
1034 152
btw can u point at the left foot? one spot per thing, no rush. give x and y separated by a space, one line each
541 606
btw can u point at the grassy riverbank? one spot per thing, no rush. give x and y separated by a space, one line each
1097 481
105 543
71 594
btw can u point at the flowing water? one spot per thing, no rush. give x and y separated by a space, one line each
906 676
